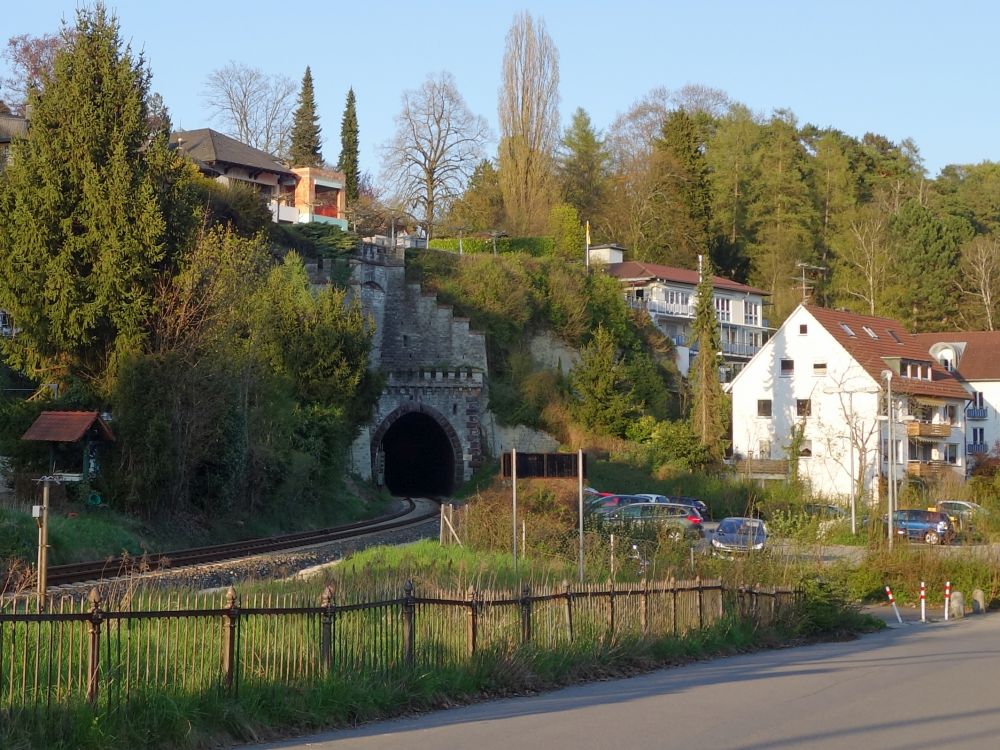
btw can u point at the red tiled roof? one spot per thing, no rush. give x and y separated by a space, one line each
633 269
67 426
891 340
981 358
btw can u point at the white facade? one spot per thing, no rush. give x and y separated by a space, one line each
982 381
805 378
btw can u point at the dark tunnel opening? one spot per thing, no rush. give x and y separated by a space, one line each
419 459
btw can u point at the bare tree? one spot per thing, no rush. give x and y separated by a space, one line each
30 59
437 144
529 124
866 260
253 107
980 275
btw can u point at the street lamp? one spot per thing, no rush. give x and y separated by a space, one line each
887 376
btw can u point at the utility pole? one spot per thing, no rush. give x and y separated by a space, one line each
41 514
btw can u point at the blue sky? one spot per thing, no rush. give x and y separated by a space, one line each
924 70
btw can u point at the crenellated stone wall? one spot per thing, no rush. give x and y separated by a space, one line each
434 364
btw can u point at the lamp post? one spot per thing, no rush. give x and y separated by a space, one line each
887 376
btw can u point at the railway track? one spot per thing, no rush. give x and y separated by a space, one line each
95 570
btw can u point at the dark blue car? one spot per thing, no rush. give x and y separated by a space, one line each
928 526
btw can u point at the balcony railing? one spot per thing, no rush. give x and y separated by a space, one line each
928 430
977 412
929 469
976 449
328 211
659 307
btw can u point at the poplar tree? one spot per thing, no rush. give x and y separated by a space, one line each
82 231
348 163
305 148
707 412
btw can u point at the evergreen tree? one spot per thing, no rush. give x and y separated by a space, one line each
583 167
604 393
928 251
480 209
684 198
83 237
305 148
707 408
348 163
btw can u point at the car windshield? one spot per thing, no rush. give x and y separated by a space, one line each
741 527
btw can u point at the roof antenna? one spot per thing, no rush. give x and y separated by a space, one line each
806 287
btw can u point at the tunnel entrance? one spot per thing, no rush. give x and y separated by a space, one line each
419 457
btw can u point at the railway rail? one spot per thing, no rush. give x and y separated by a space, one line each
60 575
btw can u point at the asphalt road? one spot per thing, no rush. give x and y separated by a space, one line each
912 686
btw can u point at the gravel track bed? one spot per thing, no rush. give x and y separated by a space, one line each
266 567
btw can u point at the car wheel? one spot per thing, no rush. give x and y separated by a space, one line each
932 537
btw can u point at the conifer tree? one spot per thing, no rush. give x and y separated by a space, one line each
707 412
348 163
305 148
82 231
583 166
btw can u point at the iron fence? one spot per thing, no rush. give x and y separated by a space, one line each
110 653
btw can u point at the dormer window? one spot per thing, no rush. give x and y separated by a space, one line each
946 363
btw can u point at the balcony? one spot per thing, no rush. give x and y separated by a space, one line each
977 412
668 309
929 469
977 449
928 430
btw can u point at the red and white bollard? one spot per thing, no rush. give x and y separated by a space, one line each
923 602
892 601
947 598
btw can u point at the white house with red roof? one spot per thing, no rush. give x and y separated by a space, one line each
668 294
974 358
817 389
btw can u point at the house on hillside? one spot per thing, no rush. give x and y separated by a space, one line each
11 127
302 194
815 395
972 356
668 295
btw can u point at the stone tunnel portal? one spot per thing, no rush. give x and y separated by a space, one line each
419 457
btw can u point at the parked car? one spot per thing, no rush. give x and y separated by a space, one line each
693 502
963 513
603 502
683 521
739 535
930 526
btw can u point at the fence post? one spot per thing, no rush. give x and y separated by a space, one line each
645 606
701 602
409 608
326 628
230 621
569 610
526 614
473 621
611 608
94 653
673 606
